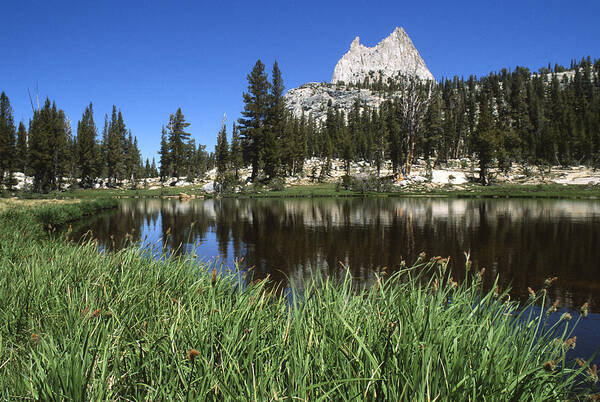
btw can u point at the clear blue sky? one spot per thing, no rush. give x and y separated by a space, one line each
151 57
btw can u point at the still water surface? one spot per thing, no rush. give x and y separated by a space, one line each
521 241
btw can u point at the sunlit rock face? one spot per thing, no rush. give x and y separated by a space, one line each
312 99
393 56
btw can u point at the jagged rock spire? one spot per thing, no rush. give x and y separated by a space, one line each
394 55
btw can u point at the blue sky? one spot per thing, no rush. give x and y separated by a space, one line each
151 57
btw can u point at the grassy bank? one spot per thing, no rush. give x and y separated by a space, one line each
77 324
557 191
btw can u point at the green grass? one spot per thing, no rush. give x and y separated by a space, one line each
332 190
80 324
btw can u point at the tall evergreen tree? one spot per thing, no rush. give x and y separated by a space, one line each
222 150
275 127
114 149
237 159
48 147
486 138
7 142
165 160
87 147
177 142
22 151
254 116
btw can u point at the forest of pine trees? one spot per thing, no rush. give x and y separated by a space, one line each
551 117
545 118
54 156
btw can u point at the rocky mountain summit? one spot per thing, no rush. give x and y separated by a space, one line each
393 56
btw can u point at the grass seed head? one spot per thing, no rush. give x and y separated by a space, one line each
566 316
192 354
585 309
570 343
554 306
214 276
35 338
548 366
593 372
549 281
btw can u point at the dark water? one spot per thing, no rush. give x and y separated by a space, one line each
522 241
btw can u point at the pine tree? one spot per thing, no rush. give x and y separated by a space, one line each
154 170
275 125
165 160
486 138
7 142
254 117
86 147
22 151
48 147
237 159
114 148
177 142
222 150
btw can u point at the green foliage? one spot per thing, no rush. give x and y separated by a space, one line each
226 183
7 142
177 142
22 153
370 184
255 116
222 150
49 152
87 148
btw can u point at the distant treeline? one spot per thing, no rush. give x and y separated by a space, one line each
551 117
54 156
546 118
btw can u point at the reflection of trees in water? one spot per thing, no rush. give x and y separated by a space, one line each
524 241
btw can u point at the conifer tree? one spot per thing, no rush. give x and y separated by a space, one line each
7 142
485 138
22 152
254 117
274 131
222 150
86 147
165 162
237 159
114 149
48 147
177 142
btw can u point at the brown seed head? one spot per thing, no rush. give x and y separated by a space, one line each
548 366
550 281
35 338
531 292
593 371
570 343
192 355
580 362
214 276
554 306
96 313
